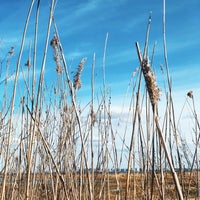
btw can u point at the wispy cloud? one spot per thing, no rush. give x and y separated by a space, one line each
75 54
22 76
85 8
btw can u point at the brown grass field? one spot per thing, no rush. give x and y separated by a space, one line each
106 186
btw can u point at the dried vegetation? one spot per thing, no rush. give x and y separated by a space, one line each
53 148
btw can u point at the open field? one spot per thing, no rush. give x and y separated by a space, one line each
106 186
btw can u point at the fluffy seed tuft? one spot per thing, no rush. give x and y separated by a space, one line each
77 80
55 45
190 94
150 79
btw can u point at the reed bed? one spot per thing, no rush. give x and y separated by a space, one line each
48 147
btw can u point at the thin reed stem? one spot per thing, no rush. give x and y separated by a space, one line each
93 119
31 144
72 93
154 108
13 101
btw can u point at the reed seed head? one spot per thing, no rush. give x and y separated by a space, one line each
150 79
190 94
55 45
77 81
54 42
93 117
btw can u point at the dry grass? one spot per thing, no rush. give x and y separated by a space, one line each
43 187
53 148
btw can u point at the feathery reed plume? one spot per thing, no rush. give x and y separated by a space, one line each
150 79
153 91
93 117
55 45
190 94
77 80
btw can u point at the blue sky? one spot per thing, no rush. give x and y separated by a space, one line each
83 25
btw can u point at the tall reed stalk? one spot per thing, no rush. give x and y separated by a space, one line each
13 101
153 92
41 79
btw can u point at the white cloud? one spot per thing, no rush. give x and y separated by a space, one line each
76 54
85 8
22 75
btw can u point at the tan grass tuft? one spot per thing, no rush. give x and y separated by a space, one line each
77 80
55 45
150 79
93 117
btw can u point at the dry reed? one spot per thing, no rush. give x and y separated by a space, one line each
77 77
61 154
55 45
150 79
